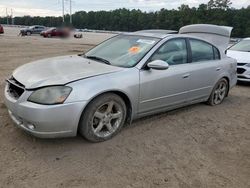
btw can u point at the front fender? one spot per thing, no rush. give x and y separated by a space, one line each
126 82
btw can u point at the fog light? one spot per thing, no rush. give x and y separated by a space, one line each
30 126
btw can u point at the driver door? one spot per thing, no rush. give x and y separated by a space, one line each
160 89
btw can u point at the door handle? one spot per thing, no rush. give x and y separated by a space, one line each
185 75
218 69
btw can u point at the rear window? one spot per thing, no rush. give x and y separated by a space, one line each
216 53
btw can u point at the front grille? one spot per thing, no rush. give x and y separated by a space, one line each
15 88
241 64
240 70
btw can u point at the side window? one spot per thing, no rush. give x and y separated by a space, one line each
216 54
174 52
201 51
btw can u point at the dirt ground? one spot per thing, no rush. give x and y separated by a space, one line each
196 146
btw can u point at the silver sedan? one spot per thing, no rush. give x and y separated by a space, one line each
126 77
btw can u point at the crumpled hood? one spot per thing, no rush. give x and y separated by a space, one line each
60 71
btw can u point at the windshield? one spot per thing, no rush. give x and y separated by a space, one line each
243 46
123 50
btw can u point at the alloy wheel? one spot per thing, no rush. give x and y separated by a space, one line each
107 119
220 93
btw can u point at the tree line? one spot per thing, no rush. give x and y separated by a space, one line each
131 20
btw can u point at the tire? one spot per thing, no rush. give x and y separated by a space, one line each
219 92
28 33
103 118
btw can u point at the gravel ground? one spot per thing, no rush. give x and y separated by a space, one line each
196 146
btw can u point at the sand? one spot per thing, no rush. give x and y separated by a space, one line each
196 146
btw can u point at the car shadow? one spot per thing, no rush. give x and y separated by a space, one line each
246 84
78 139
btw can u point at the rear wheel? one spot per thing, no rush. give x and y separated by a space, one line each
103 118
219 92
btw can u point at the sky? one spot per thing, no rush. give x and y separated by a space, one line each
54 7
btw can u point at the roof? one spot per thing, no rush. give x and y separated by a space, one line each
36 26
158 33
214 34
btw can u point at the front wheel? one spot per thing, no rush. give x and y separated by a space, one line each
219 92
103 118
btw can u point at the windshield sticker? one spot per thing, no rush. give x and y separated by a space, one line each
145 41
134 49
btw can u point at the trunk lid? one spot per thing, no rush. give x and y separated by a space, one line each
217 35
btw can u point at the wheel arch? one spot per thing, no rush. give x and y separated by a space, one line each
228 81
128 103
121 94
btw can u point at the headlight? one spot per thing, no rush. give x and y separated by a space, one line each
50 95
248 65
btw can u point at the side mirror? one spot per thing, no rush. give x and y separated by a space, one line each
158 65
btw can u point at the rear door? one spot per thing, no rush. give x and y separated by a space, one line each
205 67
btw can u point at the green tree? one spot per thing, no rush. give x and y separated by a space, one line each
219 4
